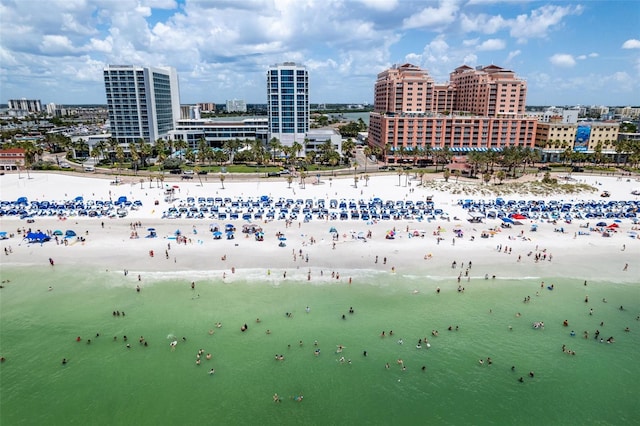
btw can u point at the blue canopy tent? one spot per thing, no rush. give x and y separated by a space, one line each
69 233
37 237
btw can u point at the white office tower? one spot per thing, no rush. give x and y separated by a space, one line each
143 102
288 102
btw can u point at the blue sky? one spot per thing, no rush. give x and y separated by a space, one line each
570 52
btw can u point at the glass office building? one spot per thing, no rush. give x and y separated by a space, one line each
288 102
143 102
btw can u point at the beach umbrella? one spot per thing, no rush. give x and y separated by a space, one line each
333 229
70 233
151 229
217 235
601 224
618 221
507 220
177 232
57 232
282 238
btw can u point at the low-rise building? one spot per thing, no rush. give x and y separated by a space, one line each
12 158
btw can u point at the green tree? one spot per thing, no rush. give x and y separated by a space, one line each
222 178
274 146
446 174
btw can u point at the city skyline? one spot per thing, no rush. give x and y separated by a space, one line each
569 52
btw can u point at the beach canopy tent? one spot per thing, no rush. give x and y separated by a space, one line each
3 235
121 200
37 237
333 230
22 200
79 198
69 233
230 235
57 232
476 217
152 233
217 235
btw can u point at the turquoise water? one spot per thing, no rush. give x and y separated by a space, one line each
106 383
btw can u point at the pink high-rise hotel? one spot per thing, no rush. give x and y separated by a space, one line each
478 109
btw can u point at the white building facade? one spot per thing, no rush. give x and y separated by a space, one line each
143 102
288 102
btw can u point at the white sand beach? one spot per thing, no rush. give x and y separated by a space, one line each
579 251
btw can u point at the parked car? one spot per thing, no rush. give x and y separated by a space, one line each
202 172
175 171
188 172
577 169
544 169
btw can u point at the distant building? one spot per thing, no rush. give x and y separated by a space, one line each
489 91
23 107
143 102
288 102
317 137
207 106
555 138
217 132
480 109
557 115
12 158
236 105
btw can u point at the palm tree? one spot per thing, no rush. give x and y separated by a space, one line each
399 176
222 178
274 146
347 147
366 180
367 153
196 170
501 175
289 180
486 177
303 176
134 156
446 174
355 181
181 145
296 147
119 157
457 174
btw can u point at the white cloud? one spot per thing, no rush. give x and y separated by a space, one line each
632 43
56 45
593 55
382 5
433 17
471 42
482 23
562 60
492 44
512 55
538 23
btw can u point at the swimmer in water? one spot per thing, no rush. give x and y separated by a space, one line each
212 371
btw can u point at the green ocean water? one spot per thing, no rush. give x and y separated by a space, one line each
105 382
